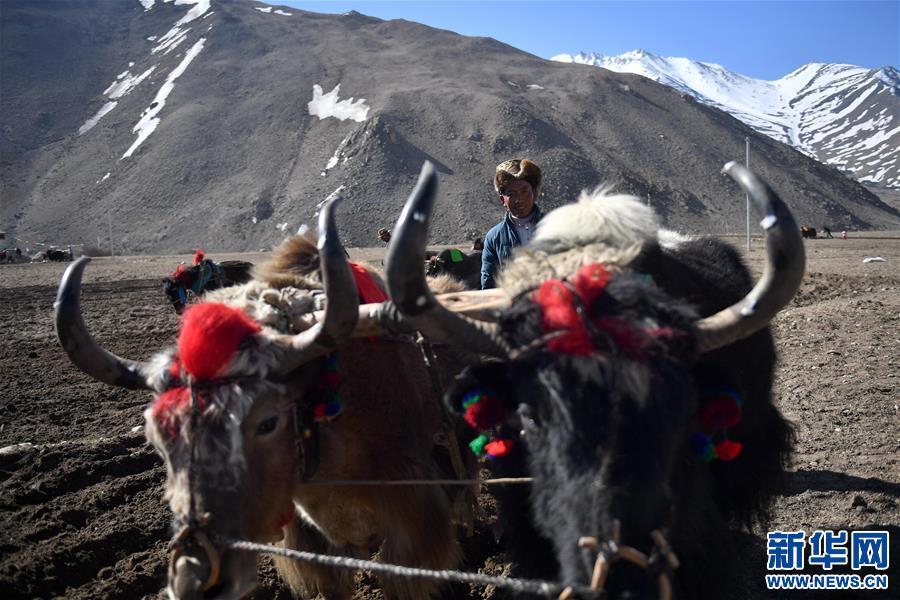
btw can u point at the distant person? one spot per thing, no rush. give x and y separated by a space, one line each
844 234
384 235
826 232
518 182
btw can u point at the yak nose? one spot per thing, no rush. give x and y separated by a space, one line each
194 565
187 577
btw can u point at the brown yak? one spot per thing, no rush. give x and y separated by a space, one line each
246 418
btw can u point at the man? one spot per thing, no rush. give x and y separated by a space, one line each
518 181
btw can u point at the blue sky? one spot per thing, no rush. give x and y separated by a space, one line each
760 39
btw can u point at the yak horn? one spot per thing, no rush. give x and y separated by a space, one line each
406 278
785 264
83 351
342 300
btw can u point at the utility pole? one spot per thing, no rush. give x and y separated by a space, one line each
109 221
747 164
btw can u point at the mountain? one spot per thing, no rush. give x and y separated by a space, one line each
225 124
842 115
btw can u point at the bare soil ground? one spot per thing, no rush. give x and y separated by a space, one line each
81 509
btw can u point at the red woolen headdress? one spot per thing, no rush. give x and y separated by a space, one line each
559 301
211 334
180 275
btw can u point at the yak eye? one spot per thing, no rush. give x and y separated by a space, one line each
267 426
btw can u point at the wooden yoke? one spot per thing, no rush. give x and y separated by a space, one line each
481 305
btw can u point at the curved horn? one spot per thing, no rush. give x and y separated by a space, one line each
406 277
342 305
785 264
83 351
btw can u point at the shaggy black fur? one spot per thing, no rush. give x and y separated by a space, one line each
606 436
468 271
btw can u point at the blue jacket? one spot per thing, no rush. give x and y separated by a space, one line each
498 245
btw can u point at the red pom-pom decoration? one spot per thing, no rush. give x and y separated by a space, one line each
497 448
484 412
728 450
558 314
166 406
590 281
169 400
210 335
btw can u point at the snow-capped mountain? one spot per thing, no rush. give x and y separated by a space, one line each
842 115
172 125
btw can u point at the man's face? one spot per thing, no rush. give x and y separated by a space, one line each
518 198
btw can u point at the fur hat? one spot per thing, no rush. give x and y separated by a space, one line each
518 168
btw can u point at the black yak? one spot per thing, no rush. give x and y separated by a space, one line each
465 268
634 366
203 276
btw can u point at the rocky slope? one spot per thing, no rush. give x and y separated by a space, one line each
224 126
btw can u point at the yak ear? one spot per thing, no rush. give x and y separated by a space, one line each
490 377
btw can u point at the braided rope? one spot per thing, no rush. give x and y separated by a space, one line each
391 482
544 588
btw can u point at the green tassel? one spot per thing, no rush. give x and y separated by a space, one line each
477 445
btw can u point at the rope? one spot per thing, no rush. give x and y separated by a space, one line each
498 481
544 588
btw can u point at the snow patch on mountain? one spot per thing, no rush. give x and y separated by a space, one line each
199 7
124 83
149 121
827 111
268 10
327 105
89 124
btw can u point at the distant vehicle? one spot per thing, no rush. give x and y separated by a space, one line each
56 255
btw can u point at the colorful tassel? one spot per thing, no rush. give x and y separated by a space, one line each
498 448
728 450
720 409
477 445
330 405
482 411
